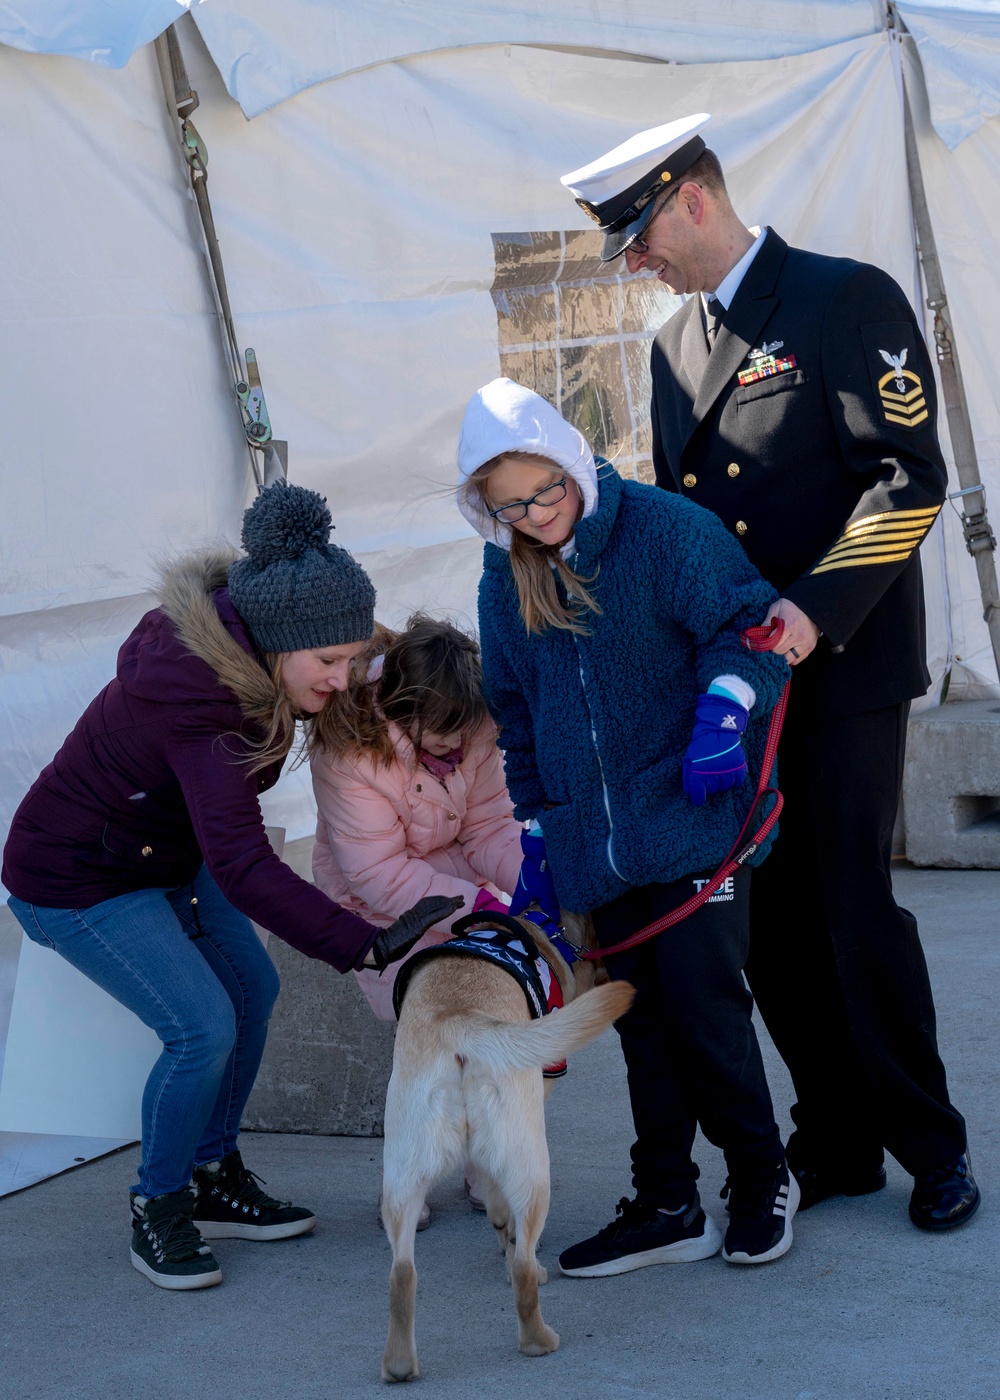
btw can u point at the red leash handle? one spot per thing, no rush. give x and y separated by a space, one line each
764 638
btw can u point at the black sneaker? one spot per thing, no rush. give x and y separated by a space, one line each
641 1235
760 1218
166 1245
231 1205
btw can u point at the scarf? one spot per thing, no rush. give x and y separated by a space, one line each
443 767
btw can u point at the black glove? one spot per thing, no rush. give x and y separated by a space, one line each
396 941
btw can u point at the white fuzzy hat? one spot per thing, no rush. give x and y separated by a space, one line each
506 417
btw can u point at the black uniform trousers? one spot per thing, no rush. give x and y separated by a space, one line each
689 1043
835 965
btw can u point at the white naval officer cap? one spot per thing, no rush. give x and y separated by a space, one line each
618 189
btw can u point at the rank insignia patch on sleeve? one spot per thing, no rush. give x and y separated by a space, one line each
898 367
901 392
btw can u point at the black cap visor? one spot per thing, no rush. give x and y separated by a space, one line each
623 217
619 239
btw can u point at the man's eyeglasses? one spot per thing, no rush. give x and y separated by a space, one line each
639 245
517 510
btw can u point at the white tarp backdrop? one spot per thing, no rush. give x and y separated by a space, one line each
356 222
356 216
267 52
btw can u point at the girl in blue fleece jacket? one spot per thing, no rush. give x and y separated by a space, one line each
610 616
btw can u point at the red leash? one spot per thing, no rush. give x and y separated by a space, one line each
763 638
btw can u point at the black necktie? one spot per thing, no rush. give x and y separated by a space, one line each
714 313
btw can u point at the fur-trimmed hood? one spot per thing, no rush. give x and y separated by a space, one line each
196 618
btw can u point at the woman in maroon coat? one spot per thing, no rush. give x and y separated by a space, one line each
140 856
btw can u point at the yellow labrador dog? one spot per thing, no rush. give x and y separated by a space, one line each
467 1085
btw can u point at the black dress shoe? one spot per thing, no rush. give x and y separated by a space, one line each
818 1185
945 1197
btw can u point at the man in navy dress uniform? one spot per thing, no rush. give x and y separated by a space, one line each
793 396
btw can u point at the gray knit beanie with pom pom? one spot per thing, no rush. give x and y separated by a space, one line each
295 591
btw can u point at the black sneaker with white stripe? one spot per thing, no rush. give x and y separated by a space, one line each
640 1235
760 1217
166 1245
231 1205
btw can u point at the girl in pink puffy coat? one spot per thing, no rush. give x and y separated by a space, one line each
412 799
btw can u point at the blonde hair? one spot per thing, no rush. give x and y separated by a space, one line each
349 720
535 566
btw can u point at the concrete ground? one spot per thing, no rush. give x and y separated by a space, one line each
863 1306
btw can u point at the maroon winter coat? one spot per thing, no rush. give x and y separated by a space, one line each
153 782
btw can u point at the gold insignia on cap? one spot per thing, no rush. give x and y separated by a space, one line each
589 210
885 538
665 175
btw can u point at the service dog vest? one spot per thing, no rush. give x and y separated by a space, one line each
534 976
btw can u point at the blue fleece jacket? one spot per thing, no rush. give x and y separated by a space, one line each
595 727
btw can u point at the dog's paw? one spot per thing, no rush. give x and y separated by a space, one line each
542 1342
399 1370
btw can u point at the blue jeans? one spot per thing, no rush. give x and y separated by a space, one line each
199 977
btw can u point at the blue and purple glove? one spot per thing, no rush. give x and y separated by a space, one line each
715 760
534 885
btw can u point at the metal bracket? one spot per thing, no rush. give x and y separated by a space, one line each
194 148
256 425
975 524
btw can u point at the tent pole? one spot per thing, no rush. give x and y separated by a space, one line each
979 538
181 102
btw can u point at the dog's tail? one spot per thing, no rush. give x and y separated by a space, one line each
530 1045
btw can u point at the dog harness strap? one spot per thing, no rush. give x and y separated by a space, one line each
490 947
555 1001
505 950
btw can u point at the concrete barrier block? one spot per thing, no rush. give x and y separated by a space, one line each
327 1060
951 786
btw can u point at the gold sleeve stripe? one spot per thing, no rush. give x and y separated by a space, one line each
884 538
883 532
826 568
871 547
927 513
876 536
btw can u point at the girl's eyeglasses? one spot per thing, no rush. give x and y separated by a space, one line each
517 510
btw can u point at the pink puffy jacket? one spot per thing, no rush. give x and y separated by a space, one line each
388 835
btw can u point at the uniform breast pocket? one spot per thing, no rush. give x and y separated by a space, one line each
749 394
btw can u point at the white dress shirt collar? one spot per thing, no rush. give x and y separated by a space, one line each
727 288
